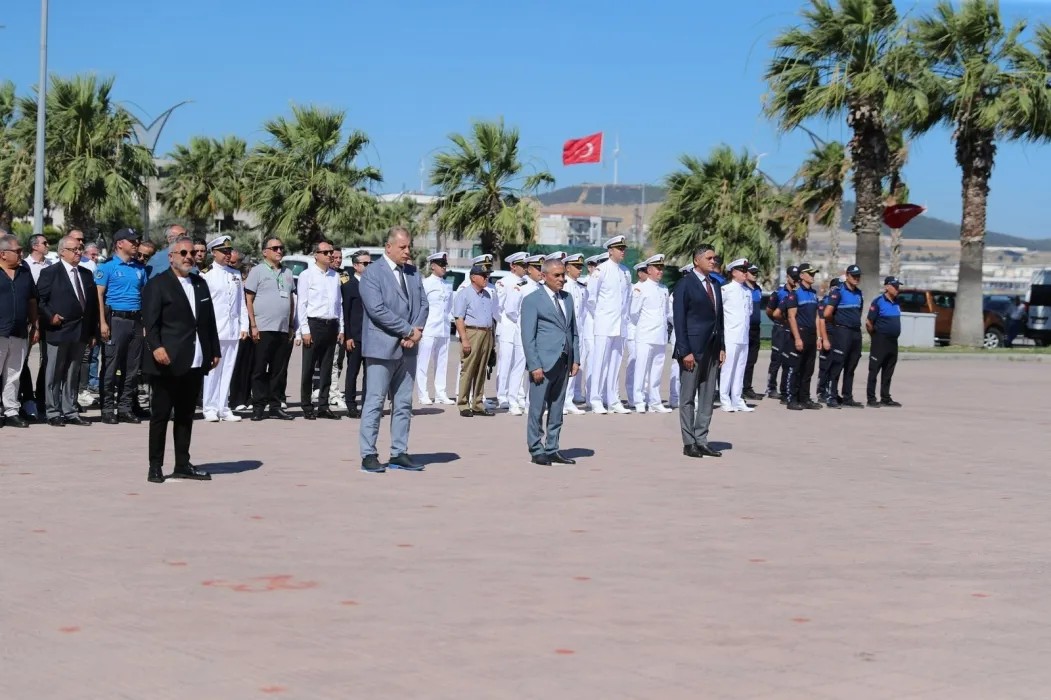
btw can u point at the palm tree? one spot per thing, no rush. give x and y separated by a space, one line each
897 190
305 182
484 188
95 170
844 59
9 155
205 180
820 191
723 200
988 86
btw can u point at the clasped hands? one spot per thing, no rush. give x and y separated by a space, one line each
414 337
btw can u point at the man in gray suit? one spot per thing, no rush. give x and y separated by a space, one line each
395 306
552 352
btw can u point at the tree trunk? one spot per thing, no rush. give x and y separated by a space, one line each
895 252
868 149
833 240
5 217
975 155
493 244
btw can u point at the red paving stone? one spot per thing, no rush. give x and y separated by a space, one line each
940 594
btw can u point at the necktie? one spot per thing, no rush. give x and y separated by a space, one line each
561 313
708 288
401 278
77 286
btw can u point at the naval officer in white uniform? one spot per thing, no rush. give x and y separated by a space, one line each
737 314
651 313
629 337
434 346
609 289
231 320
510 358
577 290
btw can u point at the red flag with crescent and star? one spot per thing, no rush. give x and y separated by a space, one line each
583 150
898 215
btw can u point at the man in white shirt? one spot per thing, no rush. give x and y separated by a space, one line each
434 346
574 265
319 310
587 338
510 360
32 395
629 337
609 289
650 313
231 320
737 314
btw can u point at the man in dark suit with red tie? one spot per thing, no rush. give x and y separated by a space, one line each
182 343
70 318
698 318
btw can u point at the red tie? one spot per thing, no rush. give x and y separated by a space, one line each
711 292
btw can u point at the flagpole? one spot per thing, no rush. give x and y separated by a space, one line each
616 154
602 204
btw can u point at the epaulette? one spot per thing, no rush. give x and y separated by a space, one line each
344 278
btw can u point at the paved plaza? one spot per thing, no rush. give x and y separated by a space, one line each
854 555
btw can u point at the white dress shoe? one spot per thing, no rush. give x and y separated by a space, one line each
744 408
338 402
660 409
570 408
211 417
728 409
640 408
516 411
230 417
442 398
597 407
618 408
426 401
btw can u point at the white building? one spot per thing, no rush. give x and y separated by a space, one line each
575 229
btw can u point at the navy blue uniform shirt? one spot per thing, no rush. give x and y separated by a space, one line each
15 294
718 278
804 301
123 282
777 301
885 316
757 302
848 305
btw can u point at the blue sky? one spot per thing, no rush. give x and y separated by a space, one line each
670 76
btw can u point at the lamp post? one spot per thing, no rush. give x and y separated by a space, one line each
41 120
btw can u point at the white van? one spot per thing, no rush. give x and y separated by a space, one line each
1038 301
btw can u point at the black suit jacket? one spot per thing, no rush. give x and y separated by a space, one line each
353 311
56 295
170 324
698 326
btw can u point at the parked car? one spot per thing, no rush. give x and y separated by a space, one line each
1038 301
942 304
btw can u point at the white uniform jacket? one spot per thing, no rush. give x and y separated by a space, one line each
649 312
737 313
577 290
609 289
439 293
228 301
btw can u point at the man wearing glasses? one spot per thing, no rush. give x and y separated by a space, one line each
353 317
608 298
31 395
271 308
158 263
120 281
231 320
18 324
319 307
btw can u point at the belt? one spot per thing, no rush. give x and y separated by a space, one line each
849 328
478 328
133 315
323 320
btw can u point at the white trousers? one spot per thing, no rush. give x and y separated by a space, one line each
605 375
217 382
587 352
731 377
629 371
649 368
12 356
436 349
510 371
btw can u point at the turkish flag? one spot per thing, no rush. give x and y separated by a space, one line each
901 214
585 150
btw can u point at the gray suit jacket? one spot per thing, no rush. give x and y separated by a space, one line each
545 334
389 315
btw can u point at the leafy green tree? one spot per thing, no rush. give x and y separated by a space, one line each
94 169
306 181
205 181
820 192
723 200
988 86
845 58
14 161
485 188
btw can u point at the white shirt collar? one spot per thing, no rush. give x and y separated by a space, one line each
393 265
69 268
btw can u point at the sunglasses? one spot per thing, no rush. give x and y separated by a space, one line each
326 252
224 251
364 263
74 249
184 253
580 265
619 247
277 248
12 250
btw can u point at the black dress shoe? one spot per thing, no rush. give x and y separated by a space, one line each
889 402
749 394
692 451
371 464
466 413
56 422
542 460
190 472
353 412
773 395
404 462
128 418
280 414
834 403
794 406
872 403
156 475
327 414
16 422
141 413
483 412
811 405
557 458
708 451
109 419
258 414
77 420
851 403
308 414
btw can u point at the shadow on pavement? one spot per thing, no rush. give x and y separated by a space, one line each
576 452
245 465
426 411
721 446
435 458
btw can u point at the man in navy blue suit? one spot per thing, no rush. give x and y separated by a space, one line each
700 350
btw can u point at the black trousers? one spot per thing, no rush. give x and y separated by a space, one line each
777 336
319 355
270 368
27 389
801 364
753 355
846 351
175 396
354 364
241 381
883 357
122 352
824 370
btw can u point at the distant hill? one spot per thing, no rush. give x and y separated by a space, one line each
920 228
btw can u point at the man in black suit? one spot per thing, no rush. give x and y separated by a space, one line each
353 314
70 319
183 343
698 319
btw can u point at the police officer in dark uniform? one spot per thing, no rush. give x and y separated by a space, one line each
753 332
884 327
843 318
801 311
824 345
119 281
775 313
